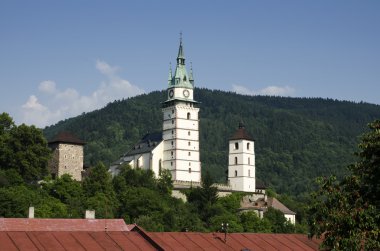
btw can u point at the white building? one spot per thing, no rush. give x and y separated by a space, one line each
241 161
177 147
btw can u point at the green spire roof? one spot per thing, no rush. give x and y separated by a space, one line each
181 78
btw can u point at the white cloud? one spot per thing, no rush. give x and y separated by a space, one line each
47 86
61 104
270 90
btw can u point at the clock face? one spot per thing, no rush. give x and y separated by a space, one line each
171 93
186 93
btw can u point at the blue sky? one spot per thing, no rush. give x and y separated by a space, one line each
61 58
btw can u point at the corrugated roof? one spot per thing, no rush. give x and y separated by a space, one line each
26 224
94 241
234 241
68 235
66 137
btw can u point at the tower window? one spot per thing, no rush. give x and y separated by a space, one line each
188 133
189 163
189 170
249 173
172 153
235 173
171 163
236 145
189 154
173 111
172 131
236 160
249 160
188 115
172 121
247 146
189 143
172 143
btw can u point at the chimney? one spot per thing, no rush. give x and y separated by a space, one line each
90 214
31 213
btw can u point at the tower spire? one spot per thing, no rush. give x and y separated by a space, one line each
170 74
181 54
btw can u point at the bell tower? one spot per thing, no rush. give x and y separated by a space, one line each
241 161
181 124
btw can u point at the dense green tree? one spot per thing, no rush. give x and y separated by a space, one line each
251 222
346 213
23 148
69 192
279 224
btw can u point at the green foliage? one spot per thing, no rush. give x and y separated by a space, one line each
297 139
23 148
251 222
278 222
347 212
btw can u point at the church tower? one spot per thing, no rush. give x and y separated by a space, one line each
181 125
241 161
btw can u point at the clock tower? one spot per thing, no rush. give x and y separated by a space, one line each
181 125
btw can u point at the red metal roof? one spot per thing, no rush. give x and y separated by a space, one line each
235 241
22 224
241 133
94 241
88 234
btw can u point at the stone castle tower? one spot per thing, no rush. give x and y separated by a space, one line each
181 125
67 156
241 161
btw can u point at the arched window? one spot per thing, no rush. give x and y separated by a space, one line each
188 115
235 173
236 161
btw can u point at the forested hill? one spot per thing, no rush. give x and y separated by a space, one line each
296 139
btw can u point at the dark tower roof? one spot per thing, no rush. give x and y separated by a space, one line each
66 137
241 133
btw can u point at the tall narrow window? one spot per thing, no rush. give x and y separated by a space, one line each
247 146
188 133
189 170
189 143
235 173
249 160
189 154
249 173
159 167
236 161
236 145
188 115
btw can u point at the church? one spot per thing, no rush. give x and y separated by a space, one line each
176 148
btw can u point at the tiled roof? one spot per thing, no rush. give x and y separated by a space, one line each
276 204
241 133
26 224
66 137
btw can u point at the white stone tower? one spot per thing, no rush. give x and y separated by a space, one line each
181 125
241 161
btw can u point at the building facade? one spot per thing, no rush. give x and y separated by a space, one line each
241 161
67 157
180 128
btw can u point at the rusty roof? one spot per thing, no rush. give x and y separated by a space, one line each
26 224
234 241
67 234
276 204
66 137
